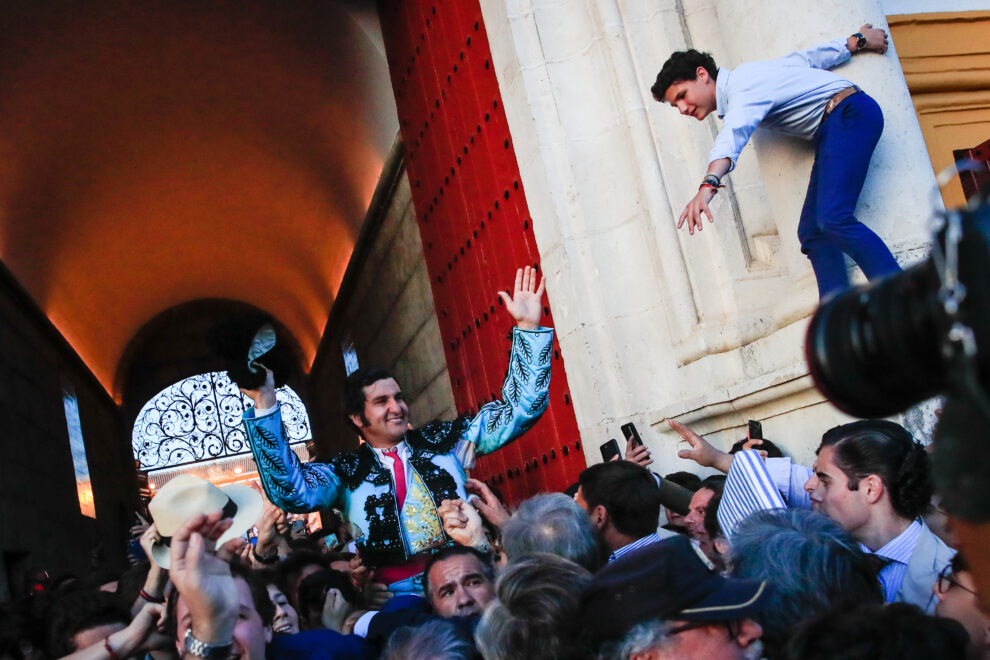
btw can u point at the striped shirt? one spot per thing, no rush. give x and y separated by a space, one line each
635 545
748 489
898 550
754 485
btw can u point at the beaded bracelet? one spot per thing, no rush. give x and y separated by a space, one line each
151 599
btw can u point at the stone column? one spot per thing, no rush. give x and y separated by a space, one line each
653 323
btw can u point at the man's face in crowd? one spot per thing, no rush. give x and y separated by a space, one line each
675 519
714 642
250 633
460 587
693 98
286 621
957 600
830 495
386 414
695 519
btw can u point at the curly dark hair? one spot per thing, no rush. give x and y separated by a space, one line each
680 66
886 449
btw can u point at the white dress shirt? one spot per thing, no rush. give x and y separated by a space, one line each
388 460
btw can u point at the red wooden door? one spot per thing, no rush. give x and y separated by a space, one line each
475 224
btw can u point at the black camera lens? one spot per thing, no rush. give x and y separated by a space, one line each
876 351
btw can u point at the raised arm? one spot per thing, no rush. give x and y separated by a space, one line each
526 390
701 451
291 485
833 53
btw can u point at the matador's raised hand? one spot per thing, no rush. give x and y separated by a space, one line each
526 303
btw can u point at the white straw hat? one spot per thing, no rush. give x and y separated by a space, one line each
186 496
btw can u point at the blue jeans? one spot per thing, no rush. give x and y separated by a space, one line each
844 145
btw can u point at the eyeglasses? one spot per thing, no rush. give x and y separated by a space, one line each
947 580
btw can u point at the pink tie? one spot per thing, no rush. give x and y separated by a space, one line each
400 475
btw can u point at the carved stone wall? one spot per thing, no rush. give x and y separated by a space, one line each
656 324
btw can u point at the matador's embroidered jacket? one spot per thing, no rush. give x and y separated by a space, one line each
358 484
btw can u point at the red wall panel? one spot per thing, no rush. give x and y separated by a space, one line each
475 224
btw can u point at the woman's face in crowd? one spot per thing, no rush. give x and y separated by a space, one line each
286 621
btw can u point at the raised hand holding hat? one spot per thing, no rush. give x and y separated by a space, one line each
187 496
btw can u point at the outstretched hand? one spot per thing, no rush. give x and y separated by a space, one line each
701 451
695 209
876 40
526 303
486 502
272 518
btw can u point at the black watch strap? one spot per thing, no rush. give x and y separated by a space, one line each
268 559
860 41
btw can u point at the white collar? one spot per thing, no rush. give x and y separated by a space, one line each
402 453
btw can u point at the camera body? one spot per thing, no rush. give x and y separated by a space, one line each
875 351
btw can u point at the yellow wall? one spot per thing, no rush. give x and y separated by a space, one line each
946 62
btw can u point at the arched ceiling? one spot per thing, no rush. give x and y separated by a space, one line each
157 152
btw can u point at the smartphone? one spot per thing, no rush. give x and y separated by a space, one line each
610 450
755 430
630 433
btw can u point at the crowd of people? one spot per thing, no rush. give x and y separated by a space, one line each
840 566
417 560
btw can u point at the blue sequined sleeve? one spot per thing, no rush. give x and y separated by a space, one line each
525 393
289 484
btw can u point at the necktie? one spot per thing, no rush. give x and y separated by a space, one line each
400 475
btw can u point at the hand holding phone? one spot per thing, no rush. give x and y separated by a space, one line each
610 450
631 434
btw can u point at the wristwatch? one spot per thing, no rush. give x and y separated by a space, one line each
201 649
269 558
860 41
712 181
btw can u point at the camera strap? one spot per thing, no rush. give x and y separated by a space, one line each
959 344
